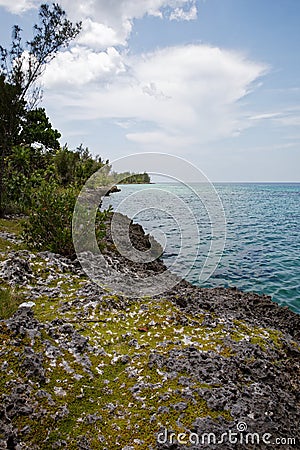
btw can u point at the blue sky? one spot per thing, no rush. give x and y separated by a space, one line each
216 82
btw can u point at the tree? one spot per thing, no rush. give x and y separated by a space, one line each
11 111
37 128
20 68
76 166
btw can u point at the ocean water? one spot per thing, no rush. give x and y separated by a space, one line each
262 245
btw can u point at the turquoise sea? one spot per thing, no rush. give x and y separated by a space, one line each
262 247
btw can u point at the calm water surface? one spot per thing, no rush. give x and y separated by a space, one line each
262 250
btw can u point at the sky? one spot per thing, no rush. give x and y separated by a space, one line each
216 82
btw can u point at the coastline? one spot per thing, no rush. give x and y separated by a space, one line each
190 360
261 255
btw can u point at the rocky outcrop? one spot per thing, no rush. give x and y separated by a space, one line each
86 368
112 190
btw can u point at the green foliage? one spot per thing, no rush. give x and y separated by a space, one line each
135 178
25 164
49 226
20 68
26 168
11 112
107 177
36 128
75 166
64 163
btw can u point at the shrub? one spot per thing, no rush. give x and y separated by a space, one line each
49 225
26 169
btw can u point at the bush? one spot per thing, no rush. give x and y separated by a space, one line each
26 169
49 226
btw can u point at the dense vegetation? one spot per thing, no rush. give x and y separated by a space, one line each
135 178
21 122
38 177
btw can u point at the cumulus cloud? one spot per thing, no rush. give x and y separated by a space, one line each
81 66
109 23
116 16
173 95
176 95
115 10
98 36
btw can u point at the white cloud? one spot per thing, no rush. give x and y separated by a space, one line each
109 23
116 16
80 66
165 140
174 95
19 6
289 117
290 121
265 116
182 14
98 36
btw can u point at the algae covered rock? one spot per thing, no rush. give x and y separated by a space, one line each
86 368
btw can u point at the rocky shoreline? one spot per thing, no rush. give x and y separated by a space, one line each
86 368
